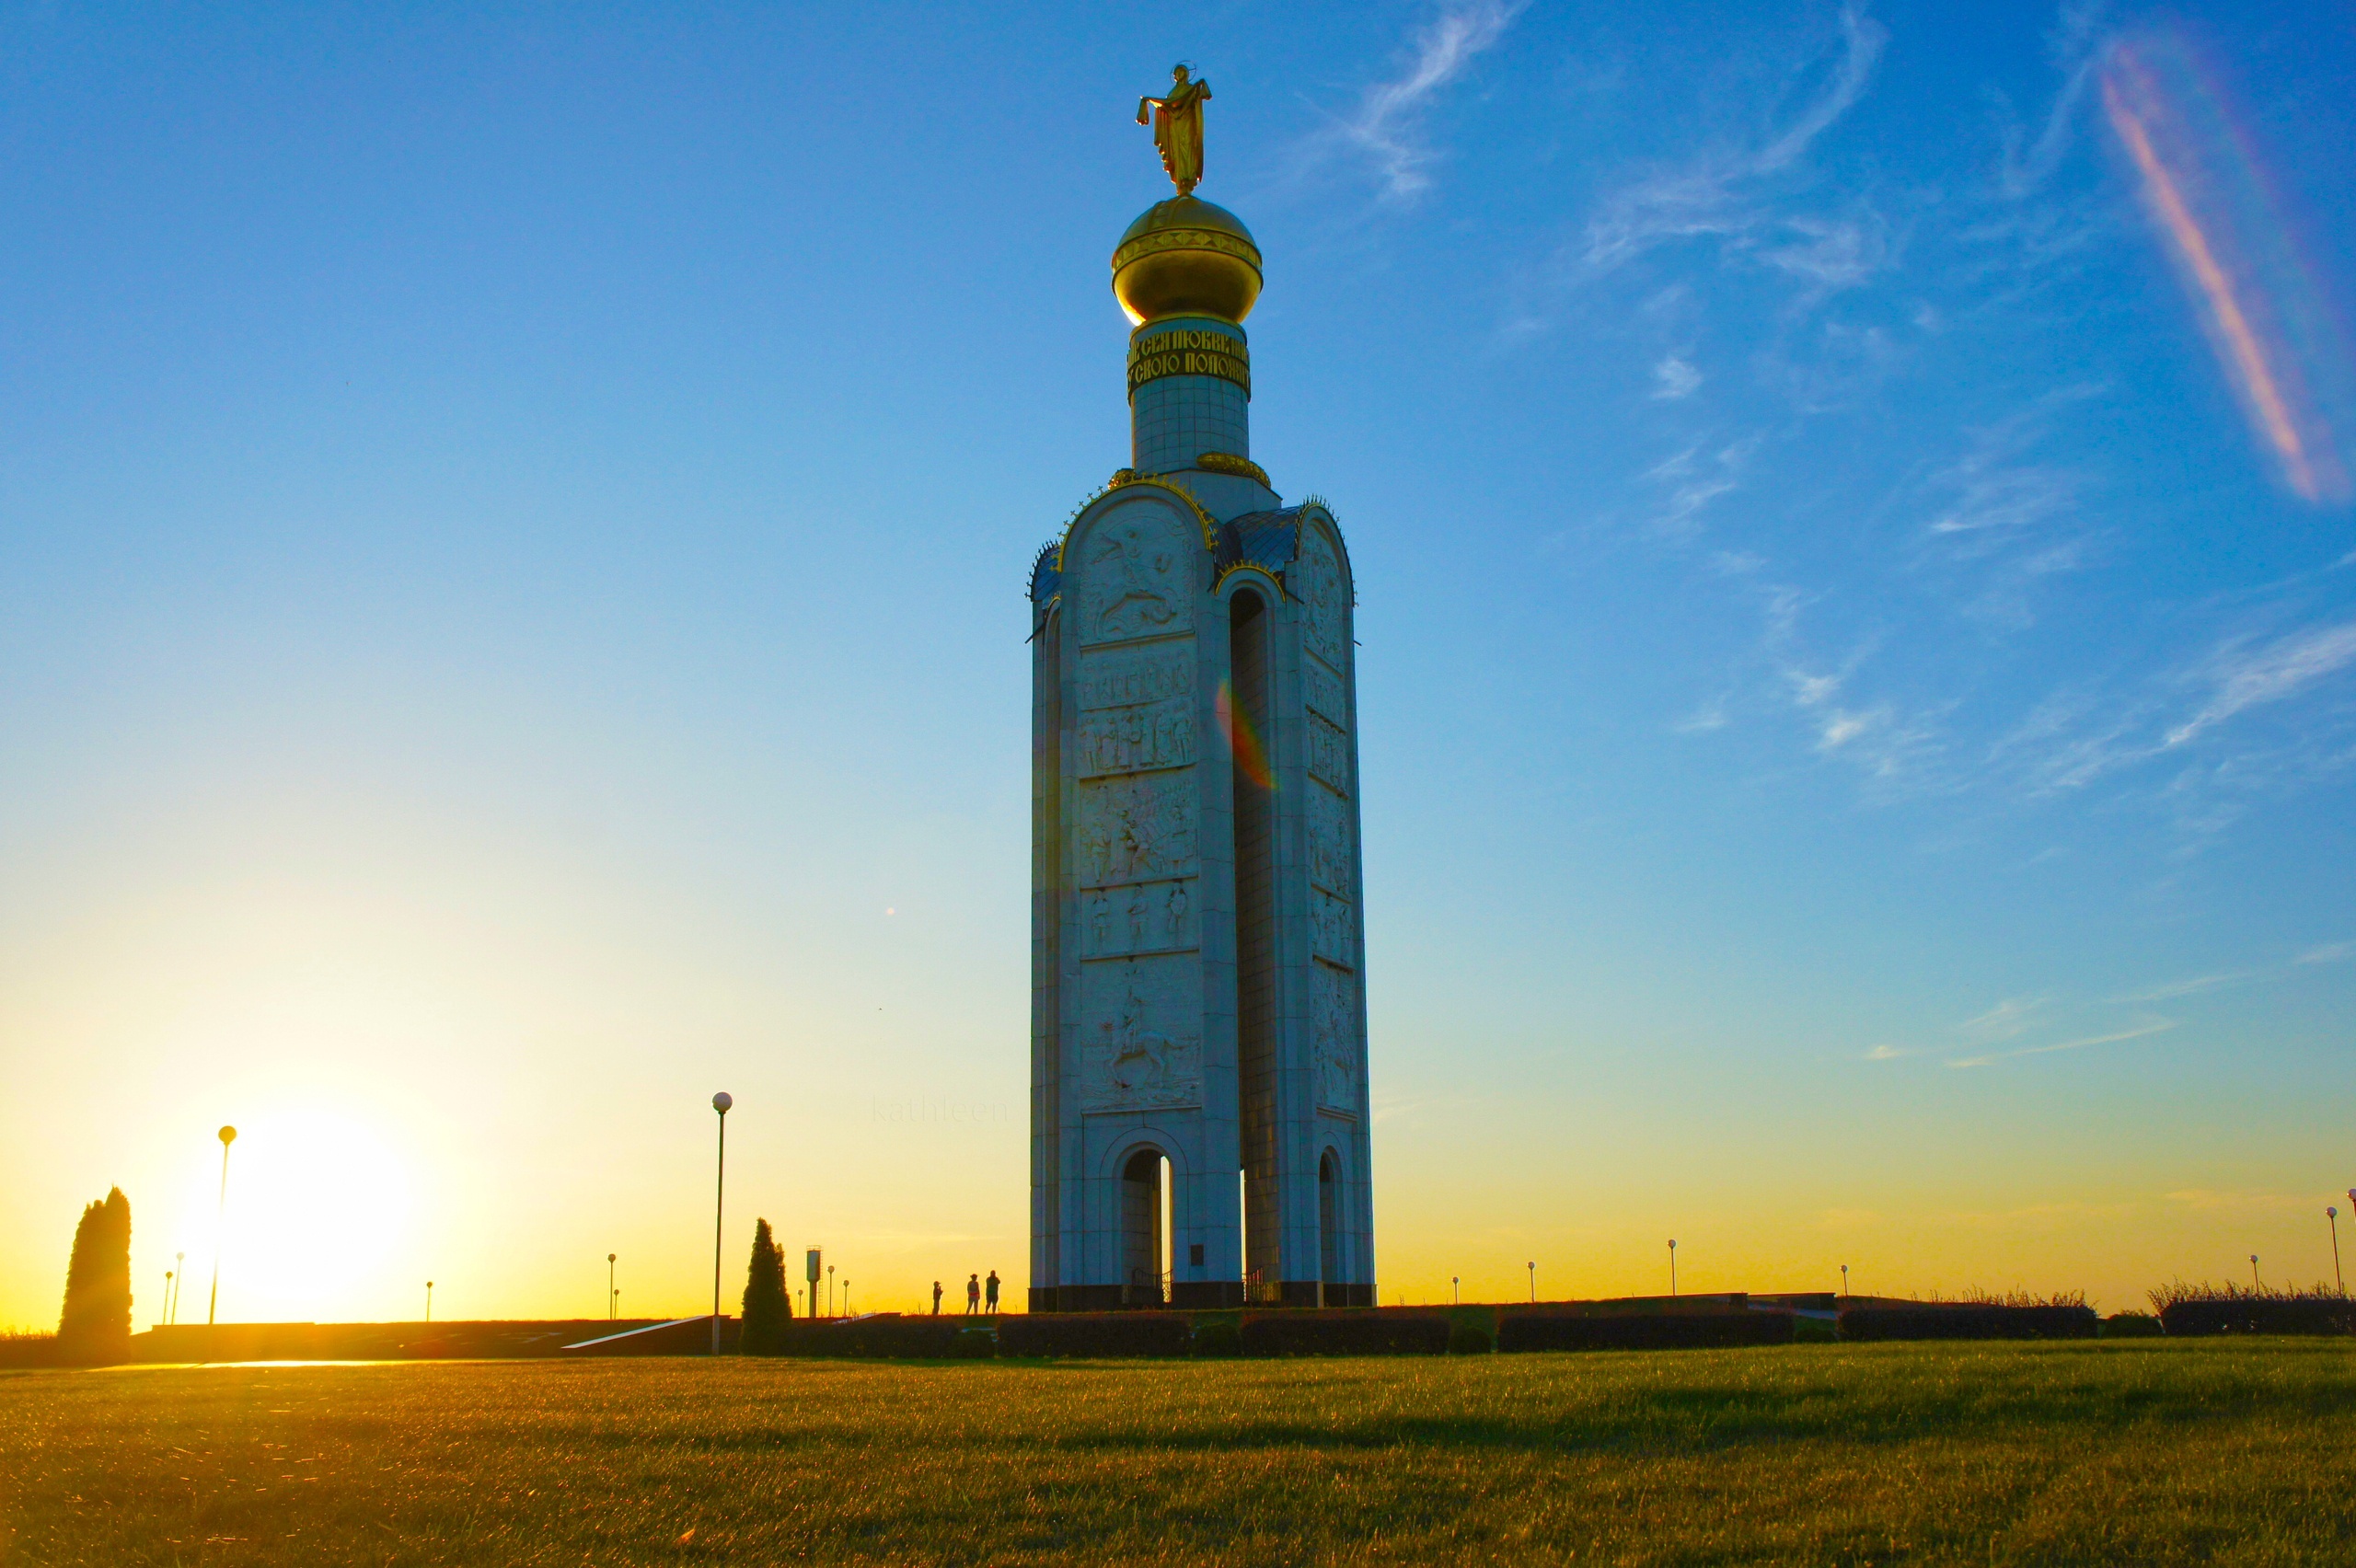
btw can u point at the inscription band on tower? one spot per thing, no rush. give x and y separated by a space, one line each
1188 351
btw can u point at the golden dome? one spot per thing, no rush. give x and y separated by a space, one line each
1186 257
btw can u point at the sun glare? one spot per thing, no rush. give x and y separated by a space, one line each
316 1227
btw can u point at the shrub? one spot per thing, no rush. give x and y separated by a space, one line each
1469 1339
1814 1330
2230 1308
1641 1330
884 1337
1096 1335
1355 1332
973 1344
1218 1336
1938 1321
96 1323
767 1309
2132 1325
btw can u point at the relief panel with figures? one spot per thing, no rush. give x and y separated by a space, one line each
1137 827
1142 1047
1326 593
1333 1025
1332 856
1136 574
1140 918
1332 931
1329 755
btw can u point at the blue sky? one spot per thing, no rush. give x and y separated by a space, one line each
516 521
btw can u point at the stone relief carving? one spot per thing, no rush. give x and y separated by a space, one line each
1332 859
1321 689
1138 828
1332 932
1137 572
1329 755
1141 1048
1333 1024
1326 627
1120 678
1133 740
1140 918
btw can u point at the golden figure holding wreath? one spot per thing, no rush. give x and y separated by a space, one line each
1178 128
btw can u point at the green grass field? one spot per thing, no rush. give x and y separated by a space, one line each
2143 1452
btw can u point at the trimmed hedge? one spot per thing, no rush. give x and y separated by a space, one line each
2132 1325
2308 1315
1641 1330
1935 1322
1095 1335
935 1338
1352 1332
1469 1339
1218 1336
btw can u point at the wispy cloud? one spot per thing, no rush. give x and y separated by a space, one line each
1674 378
1389 130
1719 195
2135 1032
1887 1054
2246 678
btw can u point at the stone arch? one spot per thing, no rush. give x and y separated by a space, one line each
1148 1179
1332 1240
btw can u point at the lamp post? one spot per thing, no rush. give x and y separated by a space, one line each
845 1296
1844 1279
220 1209
1672 1265
611 1294
720 1103
166 1315
830 1290
179 1262
2253 1287
2338 1278
1534 1279
429 1302
1455 1297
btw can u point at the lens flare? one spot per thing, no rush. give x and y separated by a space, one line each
2274 333
1242 740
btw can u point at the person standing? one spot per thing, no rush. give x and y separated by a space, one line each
973 1294
992 1307
936 1298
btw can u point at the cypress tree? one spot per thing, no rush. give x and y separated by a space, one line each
96 1323
766 1307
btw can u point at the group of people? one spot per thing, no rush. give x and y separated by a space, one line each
976 1290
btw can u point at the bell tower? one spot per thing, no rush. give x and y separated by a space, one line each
1198 1070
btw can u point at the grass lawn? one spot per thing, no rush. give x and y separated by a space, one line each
2135 1452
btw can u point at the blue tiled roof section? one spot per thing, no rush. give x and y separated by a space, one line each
1267 539
1045 581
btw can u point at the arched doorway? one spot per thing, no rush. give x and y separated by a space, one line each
1329 1233
1145 1229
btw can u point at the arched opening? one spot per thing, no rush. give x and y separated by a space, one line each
1145 1229
1244 714
1329 1233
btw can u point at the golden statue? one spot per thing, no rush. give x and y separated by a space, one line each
1178 129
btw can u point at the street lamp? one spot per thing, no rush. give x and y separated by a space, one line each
166 1314
720 1103
179 1262
610 1292
2253 1287
221 1208
845 1296
1844 1279
1534 1279
1672 1265
2332 1215
1455 1297
830 1290
429 1302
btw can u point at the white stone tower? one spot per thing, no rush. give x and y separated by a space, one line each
1198 1066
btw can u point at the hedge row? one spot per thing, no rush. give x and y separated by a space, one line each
1641 1330
934 1339
2308 1315
1095 1335
1933 1321
1347 1333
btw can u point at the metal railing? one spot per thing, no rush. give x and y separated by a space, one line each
1145 1288
1258 1292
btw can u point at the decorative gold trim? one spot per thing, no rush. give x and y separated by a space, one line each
1158 240
1156 352
1229 463
1275 579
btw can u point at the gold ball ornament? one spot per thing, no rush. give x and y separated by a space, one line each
1185 257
